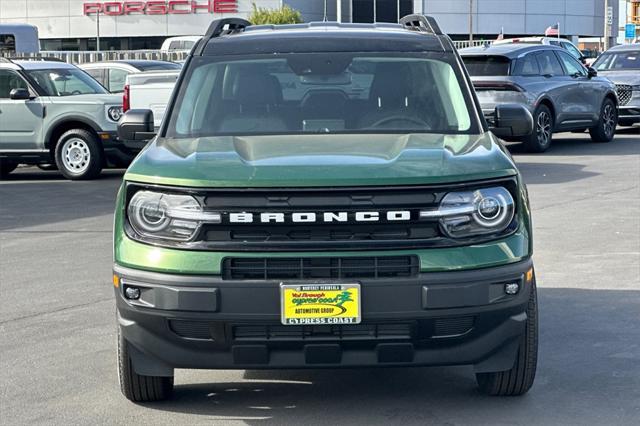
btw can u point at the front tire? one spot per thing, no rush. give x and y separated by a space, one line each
139 388
540 139
605 130
519 379
79 155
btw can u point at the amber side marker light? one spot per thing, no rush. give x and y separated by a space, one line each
116 281
529 275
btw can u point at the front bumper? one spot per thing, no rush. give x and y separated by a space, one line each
117 153
629 113
436 318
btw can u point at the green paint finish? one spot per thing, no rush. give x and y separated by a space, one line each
142 256
321 160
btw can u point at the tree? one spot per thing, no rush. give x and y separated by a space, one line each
282 15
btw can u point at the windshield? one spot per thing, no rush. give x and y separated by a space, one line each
320 93
66 82
487 65
618 61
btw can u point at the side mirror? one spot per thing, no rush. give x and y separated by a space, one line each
591 72
136 125
512 120
19 94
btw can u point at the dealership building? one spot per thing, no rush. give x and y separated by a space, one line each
125 24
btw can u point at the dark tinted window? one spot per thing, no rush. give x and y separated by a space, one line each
526 66
487 65
7 43
618 61
549 64
10 80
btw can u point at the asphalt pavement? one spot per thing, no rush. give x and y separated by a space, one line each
57 323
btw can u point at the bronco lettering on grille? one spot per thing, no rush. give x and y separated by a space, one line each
324 217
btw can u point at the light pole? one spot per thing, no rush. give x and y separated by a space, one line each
98 31
470 21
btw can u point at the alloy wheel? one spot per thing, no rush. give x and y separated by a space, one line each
543 128
608 120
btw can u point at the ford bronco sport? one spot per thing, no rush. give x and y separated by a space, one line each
53 113
324 195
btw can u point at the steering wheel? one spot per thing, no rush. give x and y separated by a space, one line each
407 119
76 92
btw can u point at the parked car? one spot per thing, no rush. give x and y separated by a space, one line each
113 74
561 94
341 203
549 41
19 39
54 113
621 64
182 43
149 90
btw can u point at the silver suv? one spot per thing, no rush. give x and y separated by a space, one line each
54 113
559 91
621 64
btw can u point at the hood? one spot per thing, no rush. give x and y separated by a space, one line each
631 77
101 99
321 160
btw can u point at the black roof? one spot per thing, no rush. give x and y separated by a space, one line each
244 38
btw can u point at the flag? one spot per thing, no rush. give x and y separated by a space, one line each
553 30
501 35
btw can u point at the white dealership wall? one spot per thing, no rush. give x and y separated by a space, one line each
65 19
583 18
60 19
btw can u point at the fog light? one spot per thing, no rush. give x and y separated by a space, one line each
511 288
132 293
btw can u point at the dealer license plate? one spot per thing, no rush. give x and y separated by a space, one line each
320 304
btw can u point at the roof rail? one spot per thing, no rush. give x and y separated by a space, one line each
422 23
220 27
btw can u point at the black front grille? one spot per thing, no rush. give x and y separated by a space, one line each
191 329
624 93
335 218
452 327
279 333
272 268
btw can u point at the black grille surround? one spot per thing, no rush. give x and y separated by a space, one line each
270 268
318 236
413 330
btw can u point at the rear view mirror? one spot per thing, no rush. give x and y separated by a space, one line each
136 125
512 120
19 94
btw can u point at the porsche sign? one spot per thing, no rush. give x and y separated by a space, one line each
160 7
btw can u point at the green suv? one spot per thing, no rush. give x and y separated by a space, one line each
53 114
324 195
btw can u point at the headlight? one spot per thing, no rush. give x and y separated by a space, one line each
470 213
114 113
167 216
